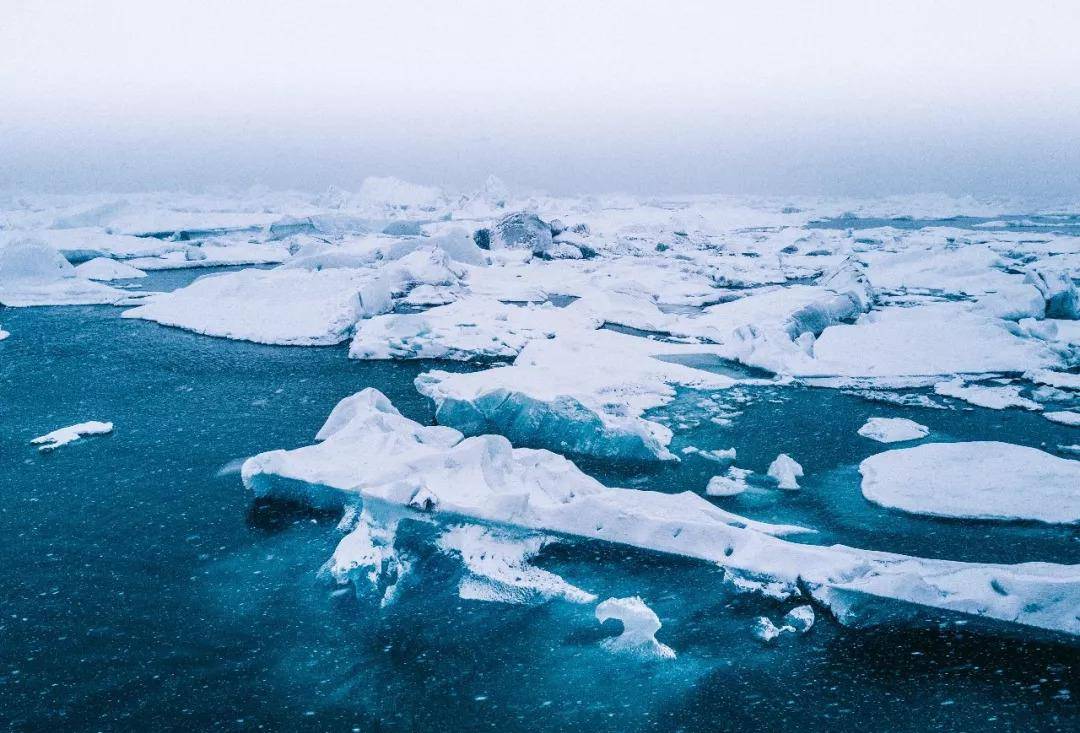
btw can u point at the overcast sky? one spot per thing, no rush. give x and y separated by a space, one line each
750 97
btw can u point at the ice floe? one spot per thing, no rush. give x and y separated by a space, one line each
979 480
63 436
104 268
33 273
893 429
369 453
731 483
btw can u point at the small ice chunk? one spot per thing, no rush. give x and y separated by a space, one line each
4 334
640 624
893 429
800 618
63 436
766 630
1065 417
785 470
731 483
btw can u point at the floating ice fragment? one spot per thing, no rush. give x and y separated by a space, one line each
640 624
63 436
800 618
766 630
1064 417
785 470
994 398
979 480
731 483
893 429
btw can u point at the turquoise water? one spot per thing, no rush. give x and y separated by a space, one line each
143 589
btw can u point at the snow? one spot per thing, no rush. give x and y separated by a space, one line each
893 429
785 471
370 454
977 480
63 436
640 624
103 268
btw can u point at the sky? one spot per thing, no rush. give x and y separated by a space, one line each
570 97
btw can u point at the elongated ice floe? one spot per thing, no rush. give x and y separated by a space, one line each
370 454
63 436
980 480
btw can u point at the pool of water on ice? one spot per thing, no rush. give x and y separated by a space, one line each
143 589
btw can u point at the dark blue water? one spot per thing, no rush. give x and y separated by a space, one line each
1033 223
141 587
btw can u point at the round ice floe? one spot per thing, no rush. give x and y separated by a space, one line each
893 429
980 480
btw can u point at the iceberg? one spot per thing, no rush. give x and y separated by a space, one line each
33 273
978 480
582 392
369 454
935 339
